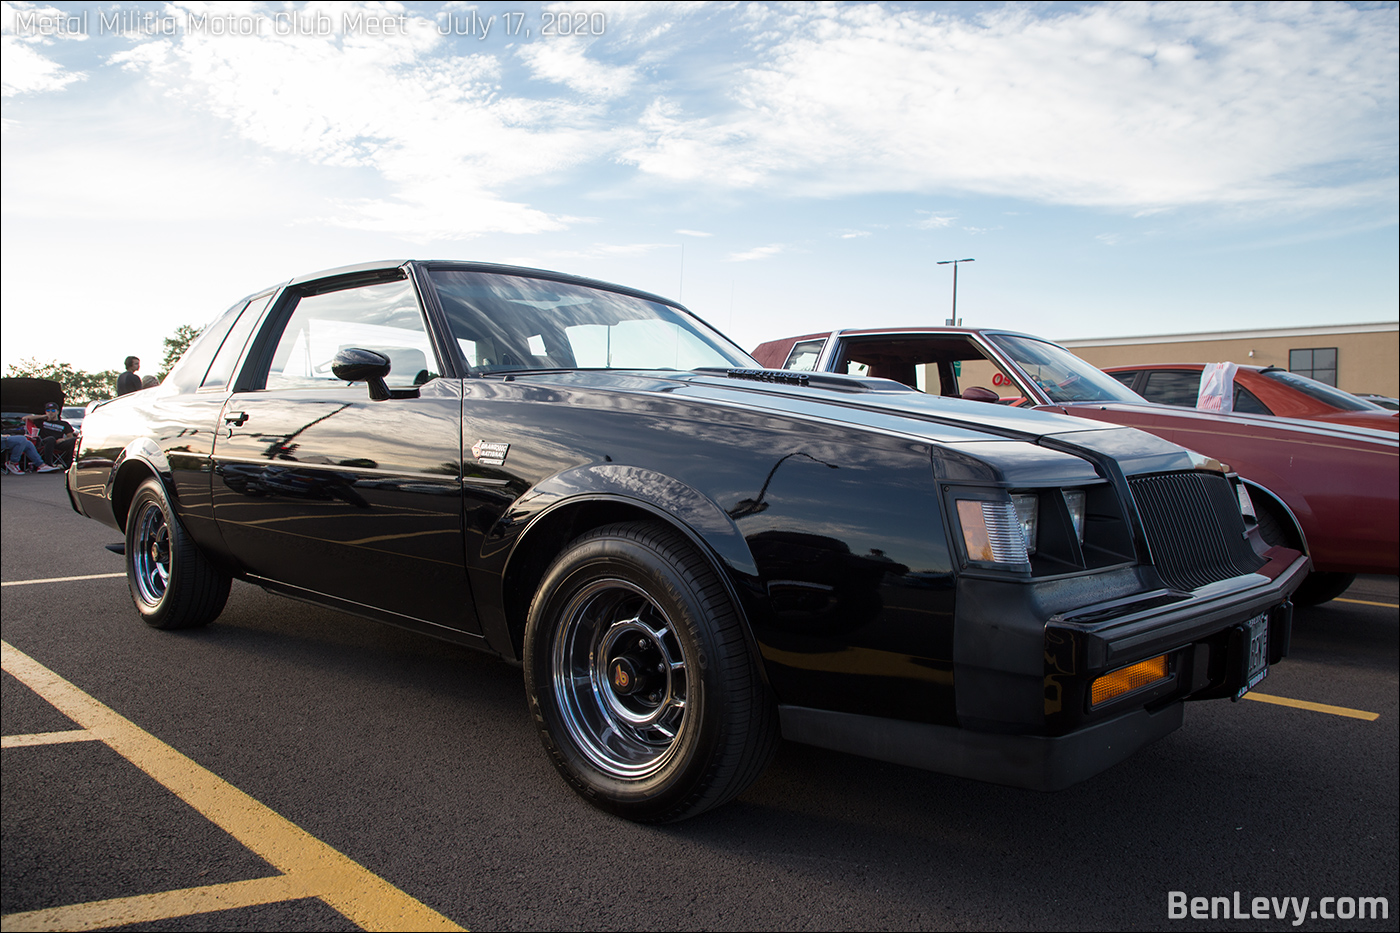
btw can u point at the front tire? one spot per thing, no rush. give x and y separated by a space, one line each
640 678
172 583
1321 586
1318 586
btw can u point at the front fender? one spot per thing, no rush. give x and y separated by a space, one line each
685 505
538 525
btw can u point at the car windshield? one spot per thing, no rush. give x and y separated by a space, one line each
511 323
1060 374
1320 391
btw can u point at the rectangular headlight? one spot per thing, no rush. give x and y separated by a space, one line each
1075 500
1028 515
992 531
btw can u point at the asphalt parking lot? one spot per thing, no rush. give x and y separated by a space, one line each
294 768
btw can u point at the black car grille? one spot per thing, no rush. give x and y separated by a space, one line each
1194 528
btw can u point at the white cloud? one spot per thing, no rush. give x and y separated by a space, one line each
699 233
433 125
564 61
1120 105
934 221
854 234
28 72
596 251
758 252
1132 107
25 70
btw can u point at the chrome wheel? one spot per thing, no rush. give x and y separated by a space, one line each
620 675
151 559
640 678
172 583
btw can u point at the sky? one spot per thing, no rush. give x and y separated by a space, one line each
1112 169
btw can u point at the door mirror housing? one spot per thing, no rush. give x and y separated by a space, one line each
354 364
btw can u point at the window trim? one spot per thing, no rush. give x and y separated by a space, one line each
252 377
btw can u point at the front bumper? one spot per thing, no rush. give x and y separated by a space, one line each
1034 762
1027 719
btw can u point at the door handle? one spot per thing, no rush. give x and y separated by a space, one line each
236 418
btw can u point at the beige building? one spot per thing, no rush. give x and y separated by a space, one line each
1359 357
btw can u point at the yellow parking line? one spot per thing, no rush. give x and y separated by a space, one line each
1315 707
1366 602
86 576
123 911
315 869
48 738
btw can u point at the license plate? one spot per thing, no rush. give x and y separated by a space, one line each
1257 660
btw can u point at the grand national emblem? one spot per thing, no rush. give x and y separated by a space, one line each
490 454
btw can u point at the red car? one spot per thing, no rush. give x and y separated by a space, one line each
1259 390
1336 484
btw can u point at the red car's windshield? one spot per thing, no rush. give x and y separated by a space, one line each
1060 374
1322 392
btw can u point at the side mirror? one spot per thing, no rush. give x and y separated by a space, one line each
355 365
980 394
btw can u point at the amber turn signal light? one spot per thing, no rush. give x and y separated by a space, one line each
1127 679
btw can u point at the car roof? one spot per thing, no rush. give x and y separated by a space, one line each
1136 366
385 265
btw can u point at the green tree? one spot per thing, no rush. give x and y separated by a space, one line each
175 347
79 387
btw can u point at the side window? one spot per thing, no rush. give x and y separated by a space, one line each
1246 402
804 355
1173 387
1126 377
383 317
232 348
189 371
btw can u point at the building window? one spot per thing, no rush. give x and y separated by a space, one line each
1319 363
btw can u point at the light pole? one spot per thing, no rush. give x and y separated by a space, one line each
953 321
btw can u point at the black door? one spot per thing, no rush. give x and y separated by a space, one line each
319 487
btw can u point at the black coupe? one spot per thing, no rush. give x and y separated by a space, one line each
690 556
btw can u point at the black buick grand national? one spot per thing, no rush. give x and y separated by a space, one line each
691 557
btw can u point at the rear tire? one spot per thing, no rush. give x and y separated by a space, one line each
640 679
172 583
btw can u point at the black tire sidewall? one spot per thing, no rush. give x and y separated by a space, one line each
195 590
685 776
150 494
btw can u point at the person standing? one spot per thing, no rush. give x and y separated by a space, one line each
129 381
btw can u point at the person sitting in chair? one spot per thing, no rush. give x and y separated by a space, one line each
52 435
20 450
